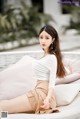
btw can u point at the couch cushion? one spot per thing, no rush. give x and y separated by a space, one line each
74 66
73 63
65 93
17 79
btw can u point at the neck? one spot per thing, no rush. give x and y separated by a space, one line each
46 53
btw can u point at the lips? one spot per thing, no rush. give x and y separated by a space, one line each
43 45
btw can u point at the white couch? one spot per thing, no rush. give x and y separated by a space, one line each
71 111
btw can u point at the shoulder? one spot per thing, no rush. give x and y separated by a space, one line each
51 57
51 61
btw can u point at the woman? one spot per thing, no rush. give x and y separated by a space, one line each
42 98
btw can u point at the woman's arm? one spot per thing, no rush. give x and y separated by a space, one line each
69 78
47 100
52 66
50 93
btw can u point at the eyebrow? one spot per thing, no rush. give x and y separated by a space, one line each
45 36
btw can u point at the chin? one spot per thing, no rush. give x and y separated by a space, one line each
43 48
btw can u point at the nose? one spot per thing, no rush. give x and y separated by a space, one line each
43 40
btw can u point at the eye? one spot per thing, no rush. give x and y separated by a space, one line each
47 37
41 37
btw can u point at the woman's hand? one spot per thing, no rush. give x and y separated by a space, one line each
46 104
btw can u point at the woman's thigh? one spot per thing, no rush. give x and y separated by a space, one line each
16 105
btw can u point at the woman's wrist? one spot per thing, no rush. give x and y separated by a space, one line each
48 98
50 93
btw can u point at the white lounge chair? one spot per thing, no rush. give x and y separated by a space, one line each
71 111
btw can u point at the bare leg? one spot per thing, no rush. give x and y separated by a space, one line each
16 105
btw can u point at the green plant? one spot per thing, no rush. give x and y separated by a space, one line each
74 11
24 22
32 19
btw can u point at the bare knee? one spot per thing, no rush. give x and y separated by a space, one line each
3 105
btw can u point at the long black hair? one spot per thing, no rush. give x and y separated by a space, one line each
55 48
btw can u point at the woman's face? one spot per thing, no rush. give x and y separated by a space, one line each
45 40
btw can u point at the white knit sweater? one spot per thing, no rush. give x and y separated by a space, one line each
46 68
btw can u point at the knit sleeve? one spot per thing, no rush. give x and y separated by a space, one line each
52 65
